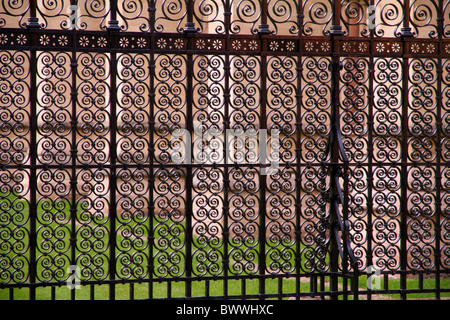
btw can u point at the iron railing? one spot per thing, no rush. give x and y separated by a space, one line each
92 92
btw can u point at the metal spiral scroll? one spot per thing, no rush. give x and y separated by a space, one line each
208 195
387 142
14 113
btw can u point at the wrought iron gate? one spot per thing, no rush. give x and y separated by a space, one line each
93 91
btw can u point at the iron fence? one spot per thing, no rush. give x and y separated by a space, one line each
93 91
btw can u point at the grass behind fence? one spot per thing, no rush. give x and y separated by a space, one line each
92 249
177 289
54 234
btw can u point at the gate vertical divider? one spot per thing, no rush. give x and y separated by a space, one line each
226 126
336 31
33 25
298 151
370 149
334 157
405 34
112 29
345 231
33 175
73 151
343 171
404 179
262 31
189 31
151 150
438 176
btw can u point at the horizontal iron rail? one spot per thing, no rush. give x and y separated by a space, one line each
291 276
404 47
4 167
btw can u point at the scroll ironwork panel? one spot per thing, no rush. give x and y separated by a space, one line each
224 149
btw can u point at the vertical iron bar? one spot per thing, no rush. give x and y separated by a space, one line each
345 230
335 31
298 151
346 233
112 183
263 28
404 176
112 29
33 175
226 126
336 13
406 29
344 202
405 33
151 150
370 150
92 292
73 151
262 178
421 282
33 25
336 28
322 285
53 293
334 158
355 284
190 25
132 291
280 288
113 24
386 282
438 175
33 22
190 31
188 212
313 285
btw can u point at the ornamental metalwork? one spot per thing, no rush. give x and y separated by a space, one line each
92 92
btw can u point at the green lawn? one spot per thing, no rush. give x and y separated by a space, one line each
93 251
159 290
122 291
